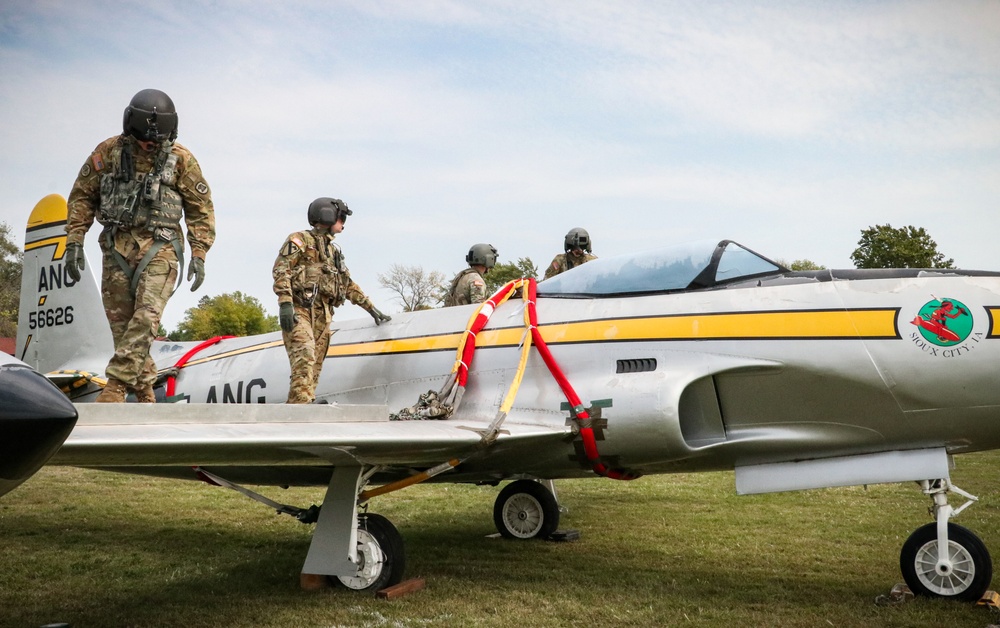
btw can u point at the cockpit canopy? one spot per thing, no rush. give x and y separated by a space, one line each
690 266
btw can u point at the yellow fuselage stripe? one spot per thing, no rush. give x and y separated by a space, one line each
994 314
747 325
791 325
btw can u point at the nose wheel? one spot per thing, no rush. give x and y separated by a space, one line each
965 573
525 509
943 559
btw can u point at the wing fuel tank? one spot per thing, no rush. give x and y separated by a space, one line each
35 419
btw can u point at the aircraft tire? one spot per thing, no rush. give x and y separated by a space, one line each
973 568
381 559
525 509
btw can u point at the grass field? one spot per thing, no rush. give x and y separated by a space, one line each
99 549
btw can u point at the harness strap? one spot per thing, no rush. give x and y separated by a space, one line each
135 275
110 242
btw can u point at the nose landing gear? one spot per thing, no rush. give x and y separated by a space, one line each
942 559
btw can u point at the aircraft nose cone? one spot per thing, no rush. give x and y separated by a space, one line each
35 419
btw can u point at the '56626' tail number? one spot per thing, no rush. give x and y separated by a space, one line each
51 317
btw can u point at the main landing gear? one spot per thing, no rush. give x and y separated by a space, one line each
525 509
381 560
360 550
942 559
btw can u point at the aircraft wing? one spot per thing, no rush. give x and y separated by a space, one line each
113 435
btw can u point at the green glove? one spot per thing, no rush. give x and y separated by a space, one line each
378 316
286 317
196 270
74 260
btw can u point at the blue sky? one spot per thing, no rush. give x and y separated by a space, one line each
787 126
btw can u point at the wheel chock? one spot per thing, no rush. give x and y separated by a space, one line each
899 594
990 598
564 536
399 590
314 582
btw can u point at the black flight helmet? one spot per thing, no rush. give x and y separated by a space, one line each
577 238
150 116
482 255
327 211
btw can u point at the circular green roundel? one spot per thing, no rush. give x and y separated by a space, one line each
944 322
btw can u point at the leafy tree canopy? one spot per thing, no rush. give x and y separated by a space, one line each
500 274
882 246
230 314
10 282
801 264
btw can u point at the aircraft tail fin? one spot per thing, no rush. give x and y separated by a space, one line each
61 322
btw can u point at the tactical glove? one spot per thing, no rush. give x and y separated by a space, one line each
196 270
378 316
74 260
287 317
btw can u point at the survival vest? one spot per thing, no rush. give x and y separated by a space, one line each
321 270
141 199
452 297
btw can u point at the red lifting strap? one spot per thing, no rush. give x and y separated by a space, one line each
172 380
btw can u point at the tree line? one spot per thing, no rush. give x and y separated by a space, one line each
237 314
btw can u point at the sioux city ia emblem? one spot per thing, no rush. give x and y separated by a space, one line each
944 322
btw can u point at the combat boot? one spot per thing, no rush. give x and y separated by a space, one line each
114 392
144 394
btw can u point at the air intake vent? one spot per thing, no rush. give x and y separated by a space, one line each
640 365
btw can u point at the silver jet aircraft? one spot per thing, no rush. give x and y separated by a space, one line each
702 357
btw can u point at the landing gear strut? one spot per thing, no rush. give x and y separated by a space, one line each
942 559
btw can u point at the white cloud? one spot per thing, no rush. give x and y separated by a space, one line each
788 125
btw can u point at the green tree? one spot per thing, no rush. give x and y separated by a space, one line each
10 282
414 288
801 264
882 246
231 314
500 274
804 264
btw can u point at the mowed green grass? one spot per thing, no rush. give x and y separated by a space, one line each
100 549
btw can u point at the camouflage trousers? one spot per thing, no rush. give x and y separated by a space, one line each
135 320
306 345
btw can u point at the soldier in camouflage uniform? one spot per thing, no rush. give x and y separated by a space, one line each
311 279
138 185
577 251
469 286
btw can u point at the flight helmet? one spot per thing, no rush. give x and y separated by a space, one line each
577 238
482 255
327 211
150 116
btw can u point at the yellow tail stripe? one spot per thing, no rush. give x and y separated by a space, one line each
58 241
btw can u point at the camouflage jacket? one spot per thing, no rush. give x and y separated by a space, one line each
564 261
467 287
132 242
310 266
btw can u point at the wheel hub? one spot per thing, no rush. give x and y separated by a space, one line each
945 577
523 515
370 562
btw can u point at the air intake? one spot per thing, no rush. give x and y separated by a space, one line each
639 365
